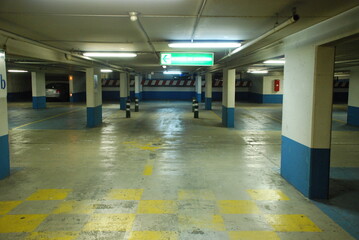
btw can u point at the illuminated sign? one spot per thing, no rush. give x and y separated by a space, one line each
187 59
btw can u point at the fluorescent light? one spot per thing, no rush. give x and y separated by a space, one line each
205 45
279 61
106 70
17 71
258 71
172 72
133 16
109 54
164 66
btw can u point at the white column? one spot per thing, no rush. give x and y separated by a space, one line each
353 98
228 97
137 87
93 97
123 90
38 90
208 91
307 117
199 88
4 128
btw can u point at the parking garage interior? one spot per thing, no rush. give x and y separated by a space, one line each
271 154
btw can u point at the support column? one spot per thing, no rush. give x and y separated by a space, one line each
228 97
208 91
123 90
141 87
128 86
93 97
38 90
4 129
307 117
353 98
199 88
137 86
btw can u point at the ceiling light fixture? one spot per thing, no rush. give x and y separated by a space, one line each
109 54
17 71
133 16
205 45
164 66
257 71
173 72
106 70
275 61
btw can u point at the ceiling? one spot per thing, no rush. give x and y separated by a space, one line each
92 25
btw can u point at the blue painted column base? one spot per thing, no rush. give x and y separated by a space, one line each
94 116
307 169
38 102
208 104
199 97
123 103
353 116
228 117
4 157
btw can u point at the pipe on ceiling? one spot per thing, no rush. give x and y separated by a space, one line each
204 2
285 24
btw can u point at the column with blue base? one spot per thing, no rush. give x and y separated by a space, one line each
208 93
38 90
228 97
123 90
4 129
93 97
353 98
307 116
199 88
137 87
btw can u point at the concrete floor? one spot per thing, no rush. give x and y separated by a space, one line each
159 175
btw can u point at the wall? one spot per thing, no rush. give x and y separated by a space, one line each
19 87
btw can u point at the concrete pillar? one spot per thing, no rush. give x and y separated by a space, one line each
128 86
123 90
38 90
307 117
137 87
353 98
228 97
208 91
4 129
199 88
141 87
93 97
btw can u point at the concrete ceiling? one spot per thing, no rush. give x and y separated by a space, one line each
92 25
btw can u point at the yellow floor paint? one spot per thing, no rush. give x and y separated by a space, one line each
52 236
125 194
191 194
153 235
148 170
110 222
7 206
267 194
147 146
75 207
253 235
206 222
49 194
291 223
20 223
237 207
157 207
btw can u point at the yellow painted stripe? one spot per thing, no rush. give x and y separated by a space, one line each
217 115
336 120
148 170
45 119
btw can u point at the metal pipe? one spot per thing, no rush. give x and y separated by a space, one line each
67 53
198 18
290 21
148 38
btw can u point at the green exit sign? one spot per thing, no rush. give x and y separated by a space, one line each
187 59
